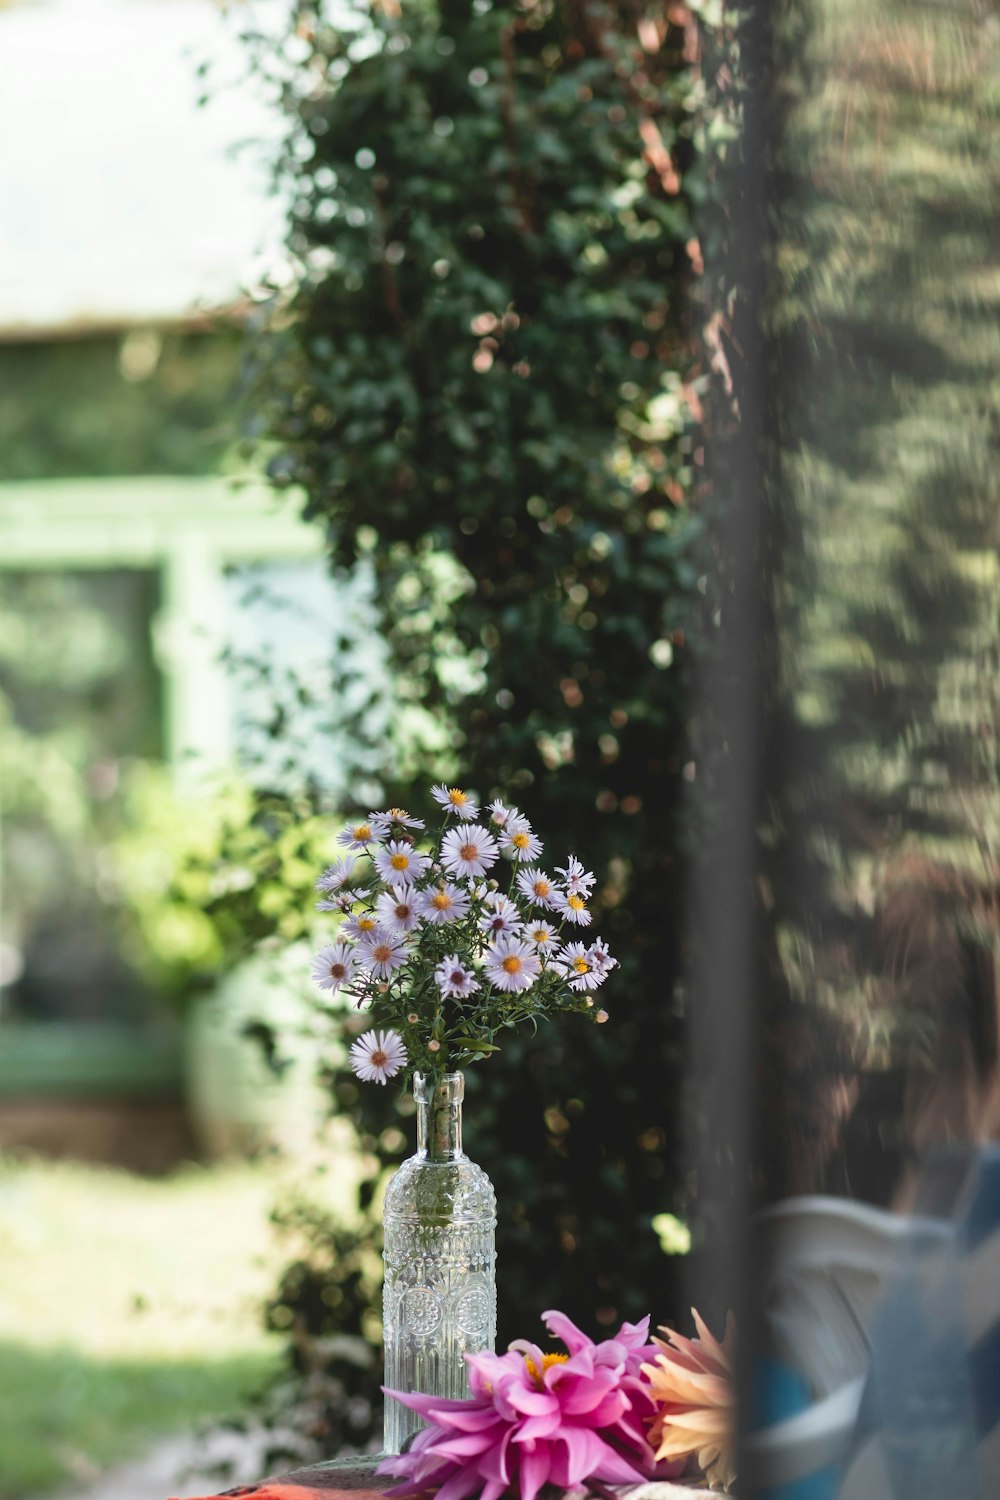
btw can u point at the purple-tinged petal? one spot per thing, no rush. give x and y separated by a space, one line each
565 1329
578 1394
635 1335
463 1482
527 1350
495 1465
530 1400
617 1468
535 1464
425 1405
576 1454
537 1427
469 1445
581 1362
474 1418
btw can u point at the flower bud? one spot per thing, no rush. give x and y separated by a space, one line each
383 988
413 1018
434 1046
601 1017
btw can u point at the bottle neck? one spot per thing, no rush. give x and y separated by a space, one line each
439 1116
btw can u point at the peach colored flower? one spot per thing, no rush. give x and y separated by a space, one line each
691 1381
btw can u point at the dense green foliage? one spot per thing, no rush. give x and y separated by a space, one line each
479 382
146 401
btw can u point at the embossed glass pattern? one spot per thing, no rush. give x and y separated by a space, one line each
439 1295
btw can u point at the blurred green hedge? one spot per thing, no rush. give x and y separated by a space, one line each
485 380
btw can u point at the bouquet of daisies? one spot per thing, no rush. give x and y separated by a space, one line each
450 938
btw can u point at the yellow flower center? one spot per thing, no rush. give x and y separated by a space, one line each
468 852
541 935
441 900
581 966
397 813
577 903
541 888
548 1360
457 798
362 833
365 924
402 862
521 840
511 964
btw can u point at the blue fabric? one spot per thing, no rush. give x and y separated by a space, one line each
780 1392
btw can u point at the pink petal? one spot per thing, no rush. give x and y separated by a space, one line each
610 1413
565 1329
576 1454
463 1482
635 1335
527 1350
495 1465
530 1400
470 1445
472 1419
578 1394
537 1427
534 1471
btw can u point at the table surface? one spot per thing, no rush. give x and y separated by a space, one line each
356 1478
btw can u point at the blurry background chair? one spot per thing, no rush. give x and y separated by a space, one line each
828 1263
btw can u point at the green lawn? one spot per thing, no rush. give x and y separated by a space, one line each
129 1308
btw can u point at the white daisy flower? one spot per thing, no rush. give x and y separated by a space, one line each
454 979
511 964
383 822
357 835
443 903
399 907
343 900
518 842
360 926
469 850
454 800
503 916
333 966
537 887
578 881
378 1055
397 860
542 935
499 814
572 908
574 962
382 950
600 957
336 876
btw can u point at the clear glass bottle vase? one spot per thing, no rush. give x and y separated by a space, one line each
439 1295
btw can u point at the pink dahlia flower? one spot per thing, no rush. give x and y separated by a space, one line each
536 1419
